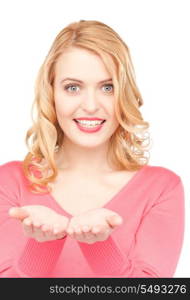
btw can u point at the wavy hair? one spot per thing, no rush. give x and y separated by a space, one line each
128 144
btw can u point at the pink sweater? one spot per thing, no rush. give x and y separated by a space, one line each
147 244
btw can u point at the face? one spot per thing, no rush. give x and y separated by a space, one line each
88 94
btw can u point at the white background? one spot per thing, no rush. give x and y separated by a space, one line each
157 33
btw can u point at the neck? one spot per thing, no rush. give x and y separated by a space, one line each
83 160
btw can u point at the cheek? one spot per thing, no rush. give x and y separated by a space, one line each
63 108
113 119
111 111
115 124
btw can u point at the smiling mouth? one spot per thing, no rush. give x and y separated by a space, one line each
88 124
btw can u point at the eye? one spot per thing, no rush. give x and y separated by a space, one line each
108 87
70 87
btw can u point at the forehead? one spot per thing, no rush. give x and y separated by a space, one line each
79 63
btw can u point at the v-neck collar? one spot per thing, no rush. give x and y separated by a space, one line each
54 202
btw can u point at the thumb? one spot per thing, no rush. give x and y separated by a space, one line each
114 220
18 213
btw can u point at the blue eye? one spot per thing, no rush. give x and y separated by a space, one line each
72 87
109 85
67 87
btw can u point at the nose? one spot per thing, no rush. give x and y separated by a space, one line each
90 102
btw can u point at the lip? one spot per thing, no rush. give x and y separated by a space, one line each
89 119
89 130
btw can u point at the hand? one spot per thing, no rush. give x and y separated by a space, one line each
40 222
93 225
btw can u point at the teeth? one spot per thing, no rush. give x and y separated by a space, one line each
89 123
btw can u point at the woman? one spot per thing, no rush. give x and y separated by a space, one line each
84 202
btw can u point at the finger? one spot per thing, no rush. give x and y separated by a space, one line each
49 235
97 229
76 232
18 213
39 235
27 226
27 222
82 234
47 231
58 231
37 224
94 235
114 220
101 233
89 236
46 228
86 228
59 228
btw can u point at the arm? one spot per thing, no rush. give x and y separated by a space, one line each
33 259
156 247
38 259
21 256
159 239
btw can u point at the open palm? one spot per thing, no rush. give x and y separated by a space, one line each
40 222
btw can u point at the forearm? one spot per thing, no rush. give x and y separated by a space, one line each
107 260
104 257
37 259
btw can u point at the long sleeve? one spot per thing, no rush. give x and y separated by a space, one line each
156 245
159 239
37 259
21 256
104 257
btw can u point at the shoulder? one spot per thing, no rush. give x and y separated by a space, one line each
11 167
10 172
10 182
162 176
161 184
162 171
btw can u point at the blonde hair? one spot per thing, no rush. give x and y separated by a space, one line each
127 145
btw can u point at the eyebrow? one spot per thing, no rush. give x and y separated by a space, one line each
74 79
